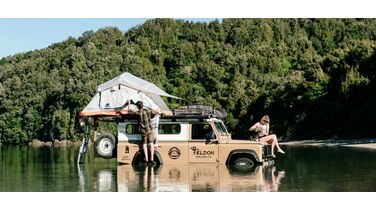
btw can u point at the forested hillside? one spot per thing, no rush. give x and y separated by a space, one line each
314 77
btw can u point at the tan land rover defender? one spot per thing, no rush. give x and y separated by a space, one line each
184 139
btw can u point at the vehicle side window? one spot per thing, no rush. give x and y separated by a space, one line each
200 130
132 129
169 129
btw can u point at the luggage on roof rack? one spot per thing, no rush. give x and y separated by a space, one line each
201 110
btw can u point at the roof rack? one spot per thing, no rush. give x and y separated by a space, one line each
200 110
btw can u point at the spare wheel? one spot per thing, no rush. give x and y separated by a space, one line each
105 145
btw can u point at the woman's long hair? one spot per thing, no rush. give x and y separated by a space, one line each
265 119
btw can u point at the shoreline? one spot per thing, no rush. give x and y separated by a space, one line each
354 143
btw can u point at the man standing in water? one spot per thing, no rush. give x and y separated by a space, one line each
144 122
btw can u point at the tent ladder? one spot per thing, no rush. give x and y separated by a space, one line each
84 145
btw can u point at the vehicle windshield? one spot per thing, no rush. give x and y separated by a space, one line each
220 127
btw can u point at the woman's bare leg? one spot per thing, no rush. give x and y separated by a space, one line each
276 144
273 145
266 141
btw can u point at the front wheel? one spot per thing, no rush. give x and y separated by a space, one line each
244 164
105 145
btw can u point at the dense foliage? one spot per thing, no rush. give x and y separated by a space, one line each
314 77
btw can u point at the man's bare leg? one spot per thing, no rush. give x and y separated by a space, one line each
144 146
151 145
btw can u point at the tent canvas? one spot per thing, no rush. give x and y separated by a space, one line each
112 96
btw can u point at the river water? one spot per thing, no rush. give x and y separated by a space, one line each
302 168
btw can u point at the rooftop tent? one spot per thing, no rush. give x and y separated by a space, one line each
136 83
112 96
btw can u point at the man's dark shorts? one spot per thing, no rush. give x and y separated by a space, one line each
148 138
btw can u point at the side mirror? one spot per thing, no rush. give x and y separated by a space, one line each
210 135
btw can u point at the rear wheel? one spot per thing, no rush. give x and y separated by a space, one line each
244 164
140 158
105 145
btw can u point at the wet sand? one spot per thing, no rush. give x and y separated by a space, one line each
361 143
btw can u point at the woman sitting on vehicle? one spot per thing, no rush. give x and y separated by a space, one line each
262 128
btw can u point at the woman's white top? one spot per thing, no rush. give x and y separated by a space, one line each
262 129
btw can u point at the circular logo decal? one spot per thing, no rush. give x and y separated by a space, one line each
174 153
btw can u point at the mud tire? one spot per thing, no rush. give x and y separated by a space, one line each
244 164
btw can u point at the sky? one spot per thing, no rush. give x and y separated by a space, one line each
22 35
22 28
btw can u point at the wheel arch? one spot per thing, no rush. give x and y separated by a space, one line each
242 152
139 156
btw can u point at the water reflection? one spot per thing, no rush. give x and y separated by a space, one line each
196 177
105 180
311 168
272 179
81 176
